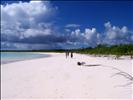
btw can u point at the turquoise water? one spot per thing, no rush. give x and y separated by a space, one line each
19 55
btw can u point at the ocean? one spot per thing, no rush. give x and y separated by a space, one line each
7 57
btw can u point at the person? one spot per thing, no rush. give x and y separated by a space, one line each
71 54
68 53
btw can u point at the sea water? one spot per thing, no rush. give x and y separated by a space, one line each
7 57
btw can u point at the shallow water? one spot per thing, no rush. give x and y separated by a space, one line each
7 57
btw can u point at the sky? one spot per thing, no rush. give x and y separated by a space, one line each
65 24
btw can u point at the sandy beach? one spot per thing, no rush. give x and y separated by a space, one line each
56 77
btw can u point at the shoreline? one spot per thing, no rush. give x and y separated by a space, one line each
9 60
56 77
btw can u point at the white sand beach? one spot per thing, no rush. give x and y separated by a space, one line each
56 77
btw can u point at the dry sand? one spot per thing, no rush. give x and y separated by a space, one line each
56 77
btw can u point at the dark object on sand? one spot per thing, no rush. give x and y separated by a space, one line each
83 64
80 63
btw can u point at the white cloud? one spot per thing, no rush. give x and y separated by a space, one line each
90 33
88 36
112 35
92 36
76 32
26 18
132 38
35 32
67 30
116 35
72 26
107 25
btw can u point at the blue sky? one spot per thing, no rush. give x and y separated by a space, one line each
95 13
65 24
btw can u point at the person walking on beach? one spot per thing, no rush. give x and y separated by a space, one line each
71 54
67 54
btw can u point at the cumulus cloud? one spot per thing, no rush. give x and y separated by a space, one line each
28 22
88 36
112 35
117 35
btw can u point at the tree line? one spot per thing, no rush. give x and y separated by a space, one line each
118 50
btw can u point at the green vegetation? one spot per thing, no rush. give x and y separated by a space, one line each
118 50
